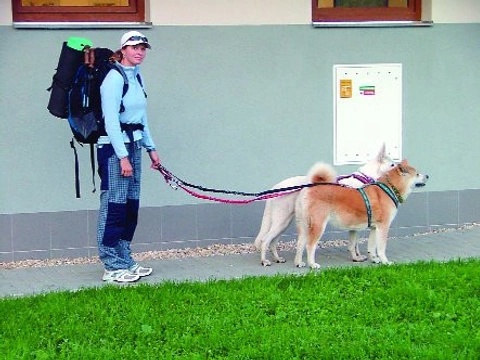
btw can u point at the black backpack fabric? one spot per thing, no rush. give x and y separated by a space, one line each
71 57
84 101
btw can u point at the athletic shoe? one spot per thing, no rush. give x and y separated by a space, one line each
120 276
140 270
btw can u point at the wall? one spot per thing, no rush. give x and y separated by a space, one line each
236 107
268 12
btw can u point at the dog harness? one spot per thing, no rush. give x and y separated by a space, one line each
364 179
387 190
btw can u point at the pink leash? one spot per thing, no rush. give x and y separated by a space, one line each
176 183
246 201
170 179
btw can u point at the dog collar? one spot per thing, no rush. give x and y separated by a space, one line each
393 192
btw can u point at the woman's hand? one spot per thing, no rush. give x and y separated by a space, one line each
155 159
126 167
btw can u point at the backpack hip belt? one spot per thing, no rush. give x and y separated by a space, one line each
130 128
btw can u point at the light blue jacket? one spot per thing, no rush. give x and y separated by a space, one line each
135 112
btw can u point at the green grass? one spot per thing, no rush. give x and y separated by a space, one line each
416 311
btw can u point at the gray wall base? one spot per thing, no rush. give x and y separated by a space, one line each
73 234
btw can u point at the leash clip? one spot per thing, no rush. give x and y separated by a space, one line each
167 176
173 185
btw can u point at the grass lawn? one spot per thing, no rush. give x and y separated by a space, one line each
415 311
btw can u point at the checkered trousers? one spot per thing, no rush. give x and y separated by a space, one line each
119 204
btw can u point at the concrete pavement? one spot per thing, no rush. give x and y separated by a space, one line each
440 246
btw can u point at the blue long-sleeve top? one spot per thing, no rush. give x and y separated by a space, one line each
135 104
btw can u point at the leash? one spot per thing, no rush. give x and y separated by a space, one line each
175 182
230 201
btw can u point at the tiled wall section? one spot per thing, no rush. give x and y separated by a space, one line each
73 234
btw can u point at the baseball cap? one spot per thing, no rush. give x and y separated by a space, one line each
134 38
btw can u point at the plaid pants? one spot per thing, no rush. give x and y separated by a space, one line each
119 203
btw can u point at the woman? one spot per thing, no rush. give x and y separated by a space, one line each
119 161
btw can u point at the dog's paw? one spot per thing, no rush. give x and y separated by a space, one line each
314 266
280 260
359 258
266 262
375 259
388 263
300 264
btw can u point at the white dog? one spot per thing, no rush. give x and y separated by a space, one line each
279 211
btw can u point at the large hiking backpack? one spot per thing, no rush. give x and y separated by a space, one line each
78 97
71 57
84 102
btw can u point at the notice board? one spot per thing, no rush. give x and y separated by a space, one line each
367 112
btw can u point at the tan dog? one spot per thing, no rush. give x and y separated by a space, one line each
279 212
373 206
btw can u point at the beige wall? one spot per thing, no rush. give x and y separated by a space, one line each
459 11
256 12
5 12
238 12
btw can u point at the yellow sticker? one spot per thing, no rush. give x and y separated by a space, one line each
346 88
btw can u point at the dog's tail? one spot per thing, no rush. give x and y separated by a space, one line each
322 173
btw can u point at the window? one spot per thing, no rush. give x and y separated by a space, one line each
324 11
78 10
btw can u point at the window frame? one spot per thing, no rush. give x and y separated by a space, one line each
134 12
343 14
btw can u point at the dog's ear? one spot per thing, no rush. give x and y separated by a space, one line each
403 166
382 153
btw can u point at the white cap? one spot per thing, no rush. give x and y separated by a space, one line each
134 38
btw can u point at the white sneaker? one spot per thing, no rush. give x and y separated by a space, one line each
120 276
140 270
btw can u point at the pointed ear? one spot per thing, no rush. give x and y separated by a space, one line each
403 166
381 153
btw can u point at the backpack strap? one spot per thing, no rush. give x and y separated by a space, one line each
139 79
92 166
77 167
77 170
116 66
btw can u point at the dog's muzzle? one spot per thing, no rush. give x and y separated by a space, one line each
423 181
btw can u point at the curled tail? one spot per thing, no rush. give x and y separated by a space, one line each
322 173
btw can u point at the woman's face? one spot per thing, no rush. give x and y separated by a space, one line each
133 54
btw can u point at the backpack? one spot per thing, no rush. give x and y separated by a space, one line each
77 98
71 57
84 101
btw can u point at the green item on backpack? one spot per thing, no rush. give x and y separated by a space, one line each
78 43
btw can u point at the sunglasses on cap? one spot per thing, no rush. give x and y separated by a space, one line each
137 38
